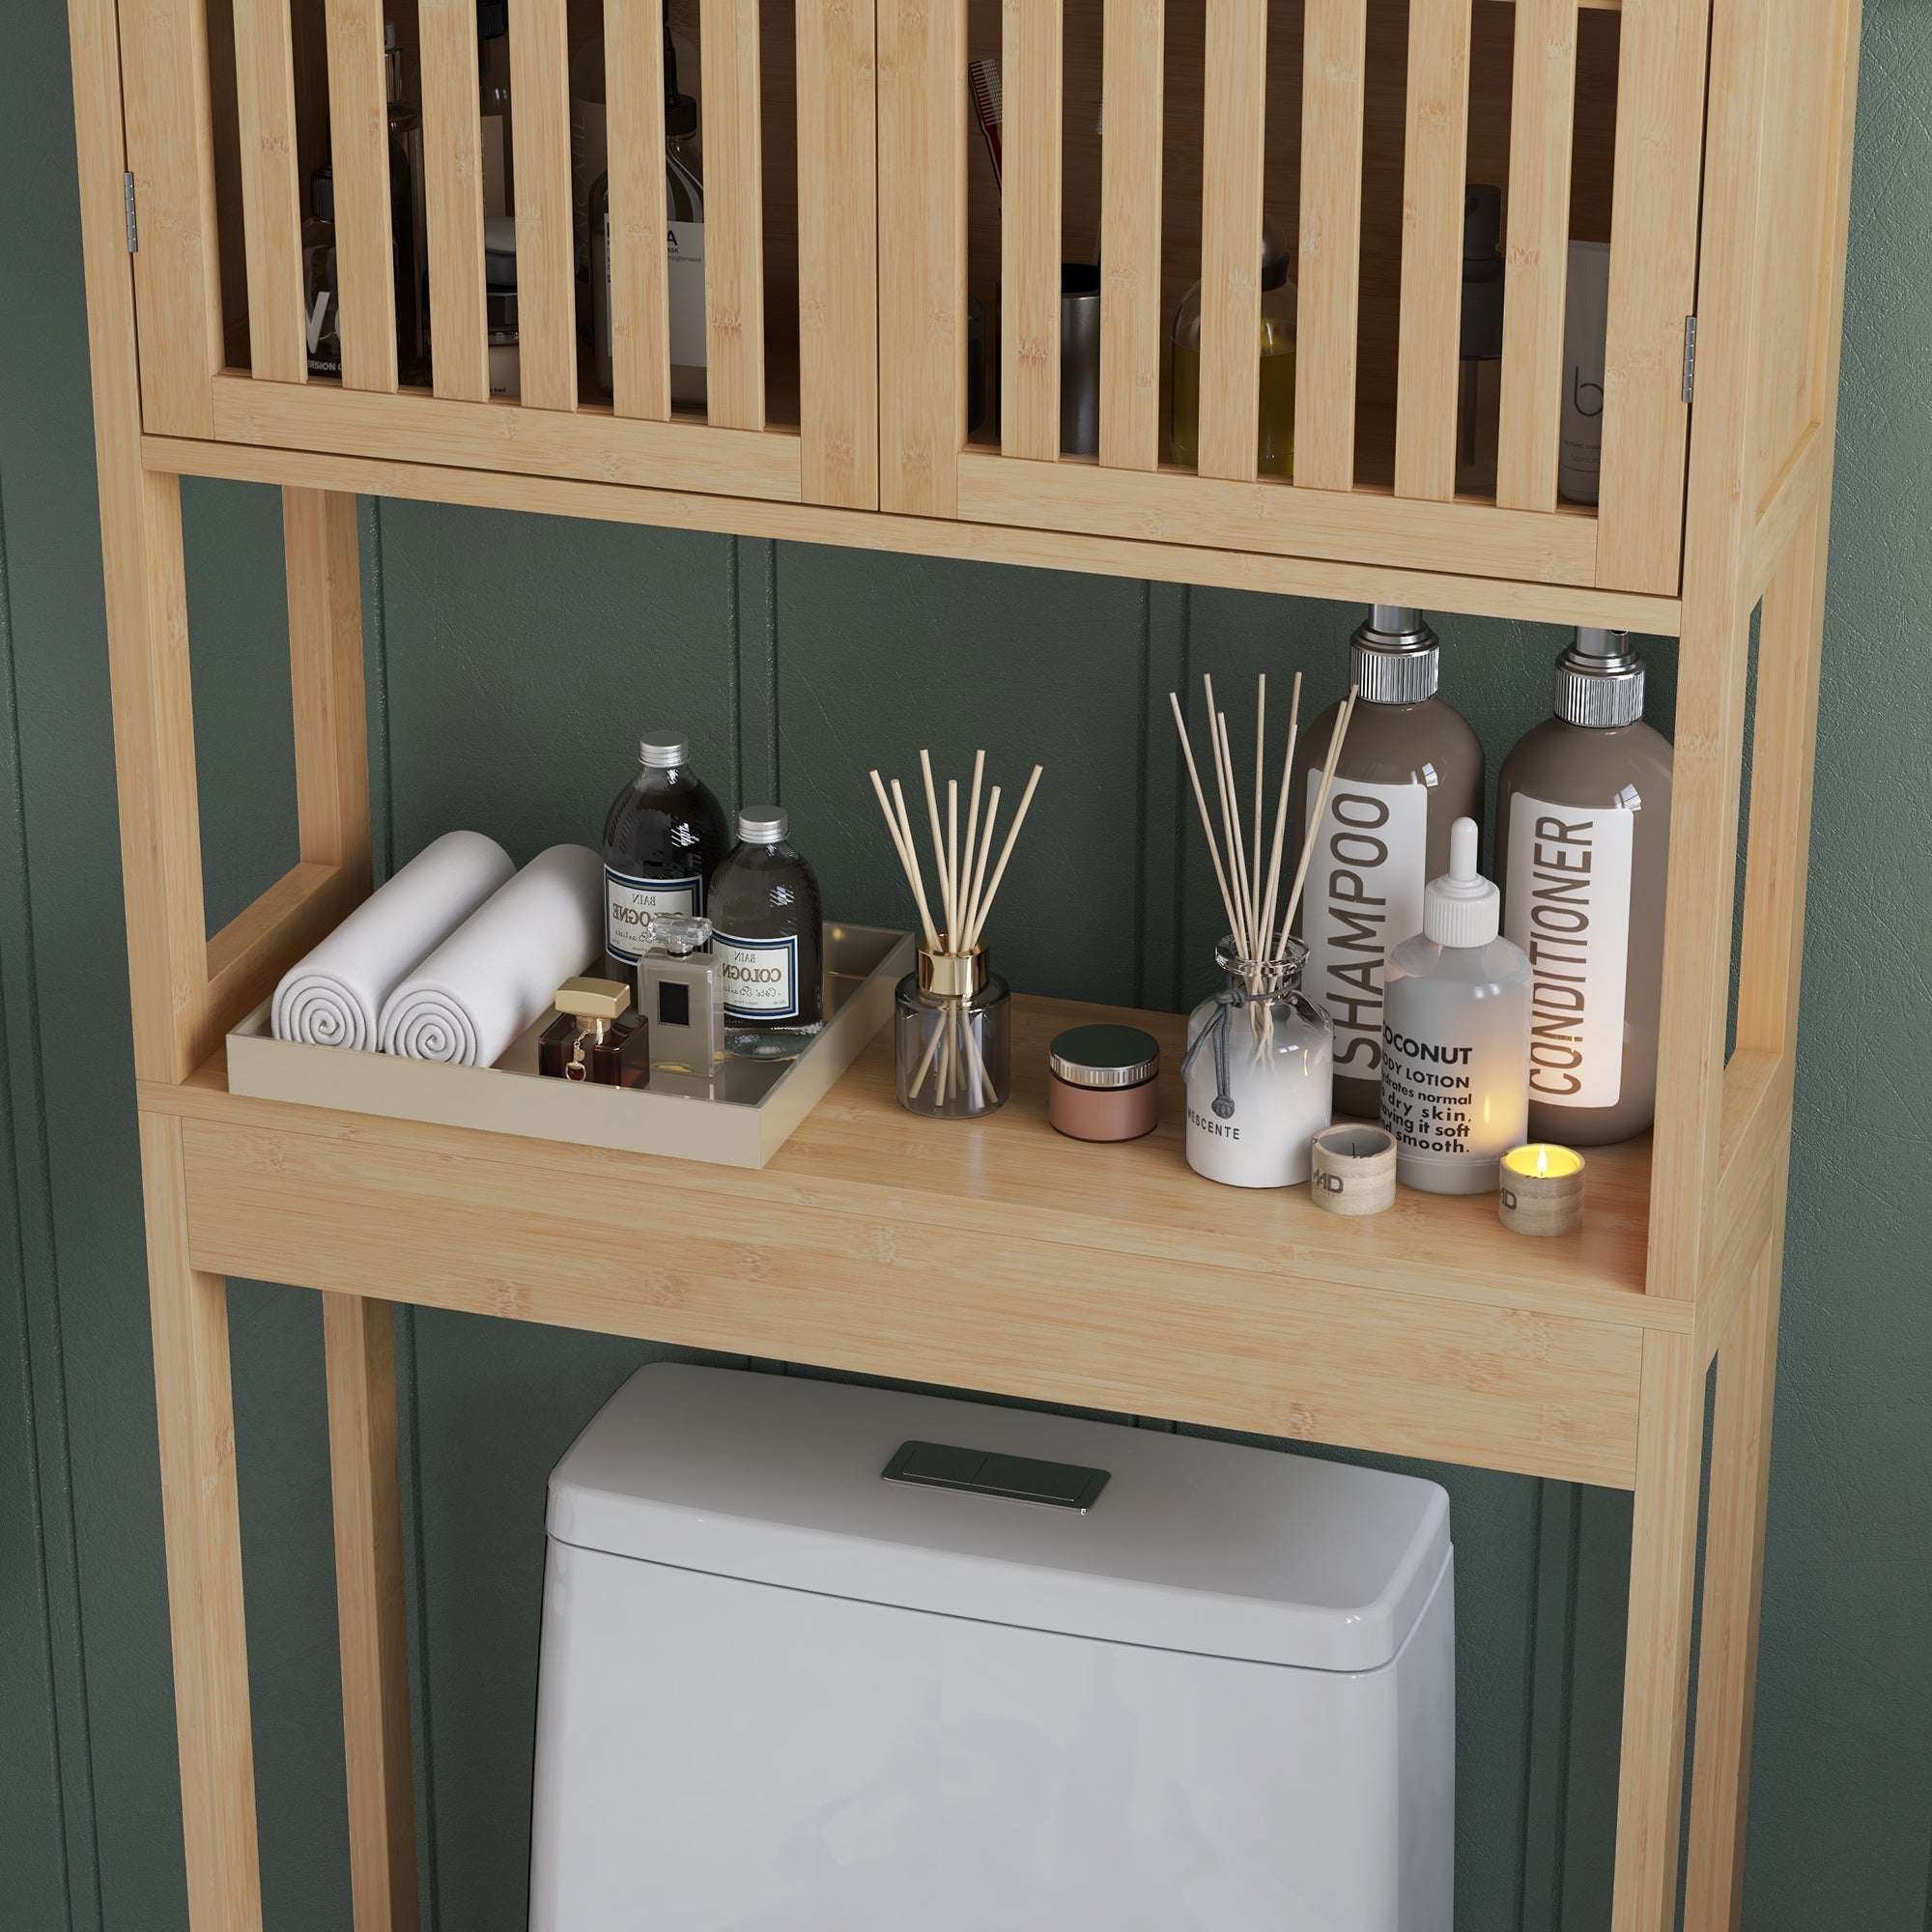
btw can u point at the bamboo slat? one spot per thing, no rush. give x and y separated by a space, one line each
1542 131
838 254
453 170
734 238
264 84
1235 115
639 295
545 230
921 255
1130 309
1652 288
360 151
1029 240
1334 64
1432 249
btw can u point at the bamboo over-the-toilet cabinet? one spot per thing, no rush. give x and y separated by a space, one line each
850 219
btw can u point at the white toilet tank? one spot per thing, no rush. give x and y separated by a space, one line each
1213 1692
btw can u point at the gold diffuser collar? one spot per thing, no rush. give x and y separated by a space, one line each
953 975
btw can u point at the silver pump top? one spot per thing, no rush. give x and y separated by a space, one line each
1395 658
1599 681
660 752
764 825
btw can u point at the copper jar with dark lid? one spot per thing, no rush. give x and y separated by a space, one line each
1104 1083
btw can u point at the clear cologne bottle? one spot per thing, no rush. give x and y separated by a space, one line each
768 928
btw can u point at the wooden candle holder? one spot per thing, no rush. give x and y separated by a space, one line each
1352 1169
1533 1198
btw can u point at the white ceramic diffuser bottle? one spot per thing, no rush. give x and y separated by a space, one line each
1455 1034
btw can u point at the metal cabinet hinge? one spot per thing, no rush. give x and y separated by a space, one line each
127 198
1689 357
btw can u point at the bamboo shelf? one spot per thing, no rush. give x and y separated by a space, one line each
850 220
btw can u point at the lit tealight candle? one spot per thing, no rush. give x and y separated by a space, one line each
1542 1191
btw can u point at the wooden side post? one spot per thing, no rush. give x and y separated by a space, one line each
359 1345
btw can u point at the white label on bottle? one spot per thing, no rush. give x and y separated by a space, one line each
685 248
630 903
760 977
1569 909
1364 895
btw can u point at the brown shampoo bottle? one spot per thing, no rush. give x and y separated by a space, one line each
1583 848
1411 768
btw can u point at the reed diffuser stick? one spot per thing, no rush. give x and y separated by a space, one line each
986 850
971 827
1261 782
1314 836
1207 823
952 846
912 867
939 849
908 858
1000 870
1281 816
1237 845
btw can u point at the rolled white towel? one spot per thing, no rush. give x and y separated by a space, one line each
333 997
499 970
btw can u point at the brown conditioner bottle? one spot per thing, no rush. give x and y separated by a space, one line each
1411 768
1582 847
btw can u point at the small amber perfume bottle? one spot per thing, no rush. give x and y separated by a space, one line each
681 994
596 1037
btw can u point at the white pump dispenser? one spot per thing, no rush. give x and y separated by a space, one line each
1455 1034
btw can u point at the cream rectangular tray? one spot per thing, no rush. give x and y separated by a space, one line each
739 1119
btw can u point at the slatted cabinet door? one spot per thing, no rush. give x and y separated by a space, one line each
241 102
1287 92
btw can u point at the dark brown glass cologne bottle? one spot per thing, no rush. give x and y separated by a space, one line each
767 927
665 837
597 1037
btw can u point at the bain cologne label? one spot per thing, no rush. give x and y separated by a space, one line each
1569 909
760 977
1364 896
631 904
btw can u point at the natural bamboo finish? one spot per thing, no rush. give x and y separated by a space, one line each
453 182
365 262
1231 227
734 275
1329 288
272 196
1131 338
546 231
1583 1357
1539 253
1432 248
639 298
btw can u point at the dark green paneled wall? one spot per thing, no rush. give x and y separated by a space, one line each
512 662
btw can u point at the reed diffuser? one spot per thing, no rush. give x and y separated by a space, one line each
952 1032
1260 1064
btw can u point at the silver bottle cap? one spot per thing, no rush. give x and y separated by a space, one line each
1395 658
764 825
662 751
1599 681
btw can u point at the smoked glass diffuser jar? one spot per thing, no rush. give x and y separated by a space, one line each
952 1030
1258 1073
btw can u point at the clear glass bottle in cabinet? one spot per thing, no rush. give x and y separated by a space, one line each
321 291
684 248
1276 453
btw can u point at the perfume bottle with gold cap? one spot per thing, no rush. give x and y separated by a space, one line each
597 1035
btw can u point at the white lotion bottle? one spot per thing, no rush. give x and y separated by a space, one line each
1455 1034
